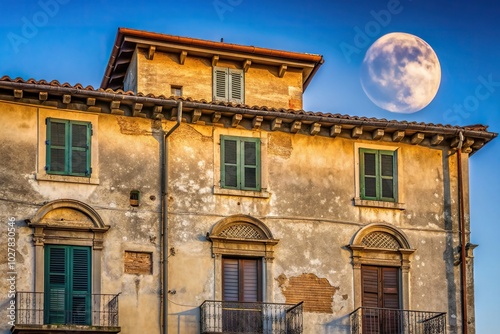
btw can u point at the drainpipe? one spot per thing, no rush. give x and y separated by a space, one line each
164 224
461 220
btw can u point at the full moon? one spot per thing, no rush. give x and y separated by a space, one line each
400 73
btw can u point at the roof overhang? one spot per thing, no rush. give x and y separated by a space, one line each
77 98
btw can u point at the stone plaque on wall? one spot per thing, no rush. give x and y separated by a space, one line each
138 262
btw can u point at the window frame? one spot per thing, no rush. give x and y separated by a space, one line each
226 87
379 177
240 163
68 147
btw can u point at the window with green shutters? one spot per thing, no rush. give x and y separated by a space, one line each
68 147
378 169
67 285
228 85
240 163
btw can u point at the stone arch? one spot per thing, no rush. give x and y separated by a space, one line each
69 205
68 222
381 244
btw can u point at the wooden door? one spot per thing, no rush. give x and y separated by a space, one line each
381 299
241 290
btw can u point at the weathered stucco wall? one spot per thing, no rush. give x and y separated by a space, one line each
311 181
129 158
263 86
310 210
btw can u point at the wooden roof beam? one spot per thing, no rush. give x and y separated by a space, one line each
182 57
282 70
246 64
151 52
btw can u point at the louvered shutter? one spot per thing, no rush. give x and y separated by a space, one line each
80 148
56 146
387 175
250 288
67 285
370 286
230 276
236 83
230 152
390 292
80 281
55 284
251 164
220 84
369 174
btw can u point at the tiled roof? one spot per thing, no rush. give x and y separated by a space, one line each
54 88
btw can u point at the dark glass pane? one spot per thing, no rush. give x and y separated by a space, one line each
250 177
231 179
79 162
250 153
57 134
387 188
57 159
230 152
387 165
370 187
370 166
79 134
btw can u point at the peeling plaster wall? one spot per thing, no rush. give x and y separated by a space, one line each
129 158
310 210
156 76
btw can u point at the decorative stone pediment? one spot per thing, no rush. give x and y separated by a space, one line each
67 221
242 235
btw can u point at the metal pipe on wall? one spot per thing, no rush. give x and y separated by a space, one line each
461 219
164 224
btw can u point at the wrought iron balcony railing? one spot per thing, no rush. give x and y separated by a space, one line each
245 317
55 308
368 320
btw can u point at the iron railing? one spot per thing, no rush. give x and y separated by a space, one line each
245 317
38 308
369 320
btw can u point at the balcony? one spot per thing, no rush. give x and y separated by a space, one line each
37 312
244 317
368 320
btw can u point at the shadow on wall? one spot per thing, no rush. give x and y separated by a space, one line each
449 254
180 321
338 325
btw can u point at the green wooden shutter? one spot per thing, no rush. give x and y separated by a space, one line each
67 285
220 84
250 164
230 176
68 147
378 175
80 148
56 143
236 86
55 284
80 286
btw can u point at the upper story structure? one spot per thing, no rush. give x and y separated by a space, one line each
159 64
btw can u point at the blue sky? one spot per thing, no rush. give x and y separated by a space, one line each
71 40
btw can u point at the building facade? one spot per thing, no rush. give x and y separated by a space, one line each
191 193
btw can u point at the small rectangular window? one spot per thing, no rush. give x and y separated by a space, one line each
240 163
228 85
68 147
176 90
378 175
